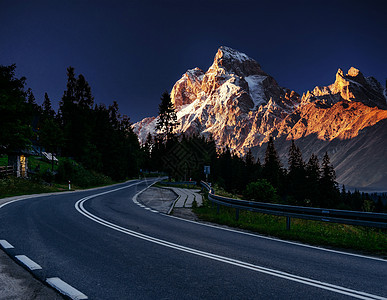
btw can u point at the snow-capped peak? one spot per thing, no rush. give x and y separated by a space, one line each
229 53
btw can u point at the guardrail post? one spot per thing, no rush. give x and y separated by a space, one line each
237 214
287 223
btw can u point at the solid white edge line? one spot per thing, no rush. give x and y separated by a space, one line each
25 197
322 285
29 263
265 237
278 240
5 244
311 282
65 288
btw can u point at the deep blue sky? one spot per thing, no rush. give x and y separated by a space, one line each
132 51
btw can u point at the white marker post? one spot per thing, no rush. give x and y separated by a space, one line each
69 185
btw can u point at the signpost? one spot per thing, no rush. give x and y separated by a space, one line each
206 171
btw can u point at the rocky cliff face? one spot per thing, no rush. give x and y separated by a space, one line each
241 106
350 87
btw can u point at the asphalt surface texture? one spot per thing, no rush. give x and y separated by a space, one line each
160 199
108 245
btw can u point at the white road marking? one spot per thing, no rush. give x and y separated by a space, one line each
266 237
79 205
65 288
28 262
25 197
278 240
5 244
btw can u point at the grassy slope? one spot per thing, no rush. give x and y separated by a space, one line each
18 186
13 186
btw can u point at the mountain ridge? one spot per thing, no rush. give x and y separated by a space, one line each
240 106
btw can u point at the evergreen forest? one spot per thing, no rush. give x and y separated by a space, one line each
96 144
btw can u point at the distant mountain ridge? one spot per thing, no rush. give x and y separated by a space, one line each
240 105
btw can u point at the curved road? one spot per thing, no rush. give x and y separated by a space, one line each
107 246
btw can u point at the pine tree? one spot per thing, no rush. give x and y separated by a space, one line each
272 168
48 112
77 118
30 97
83 94
328 185
295 161
249 159
313 174
34 109
149 143
167 121
15 130
296 175
252 168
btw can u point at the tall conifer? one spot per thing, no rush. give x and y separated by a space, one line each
167 121
272 168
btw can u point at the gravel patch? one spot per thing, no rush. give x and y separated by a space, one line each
18 283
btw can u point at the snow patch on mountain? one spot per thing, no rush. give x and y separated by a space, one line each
145 126
230 53
256 90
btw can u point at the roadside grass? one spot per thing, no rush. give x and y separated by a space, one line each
221 192
342 236
43 181
12 186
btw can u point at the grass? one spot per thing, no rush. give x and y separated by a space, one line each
12 186
44 165
221 192
366 240
80 178
3 160
33 162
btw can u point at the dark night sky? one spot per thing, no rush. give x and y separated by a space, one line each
132 51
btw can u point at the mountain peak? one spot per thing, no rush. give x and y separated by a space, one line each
231 54
353 72
235 62
352 86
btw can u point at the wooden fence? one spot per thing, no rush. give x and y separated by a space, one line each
6 171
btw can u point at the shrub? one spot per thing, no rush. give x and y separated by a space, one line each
261 191
78 175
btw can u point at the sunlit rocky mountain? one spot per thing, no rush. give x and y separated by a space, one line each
240 105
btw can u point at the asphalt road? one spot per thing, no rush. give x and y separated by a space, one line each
107 246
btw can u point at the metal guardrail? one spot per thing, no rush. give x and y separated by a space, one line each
377 220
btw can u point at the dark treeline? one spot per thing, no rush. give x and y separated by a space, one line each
101 140
97 137
305 183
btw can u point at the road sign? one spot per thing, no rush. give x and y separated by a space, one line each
206 170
